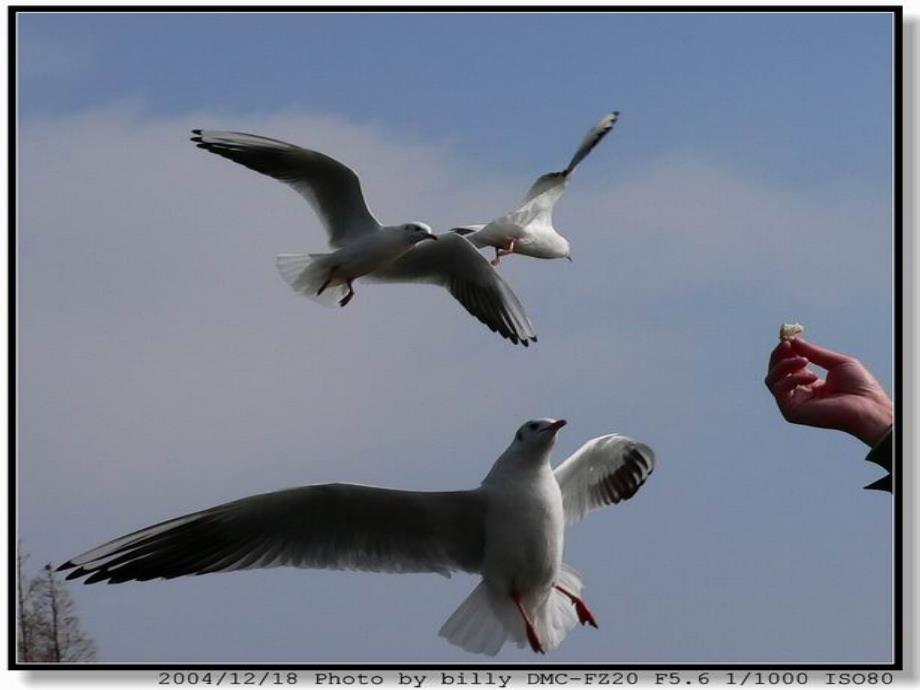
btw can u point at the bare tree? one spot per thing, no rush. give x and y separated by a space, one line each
24 618
49 630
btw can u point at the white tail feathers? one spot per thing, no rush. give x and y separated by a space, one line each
474 626
558 615
306 274
484 622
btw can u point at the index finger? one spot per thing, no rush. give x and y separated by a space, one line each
781 351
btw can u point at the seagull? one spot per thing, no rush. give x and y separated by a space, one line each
364 247
528 229
510 529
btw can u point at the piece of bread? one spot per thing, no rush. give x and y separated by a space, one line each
788 331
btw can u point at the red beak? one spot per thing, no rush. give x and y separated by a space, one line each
556 426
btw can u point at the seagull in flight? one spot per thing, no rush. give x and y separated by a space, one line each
528 229
365 248
511 530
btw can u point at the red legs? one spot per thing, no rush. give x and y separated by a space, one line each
584 616
584 613
499 253
532 638
347 298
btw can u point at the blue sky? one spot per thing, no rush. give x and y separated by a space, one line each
164 367
765 90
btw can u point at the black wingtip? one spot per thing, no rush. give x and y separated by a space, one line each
99 576
76 574
883 484
196 131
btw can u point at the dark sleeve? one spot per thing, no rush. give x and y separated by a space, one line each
881 455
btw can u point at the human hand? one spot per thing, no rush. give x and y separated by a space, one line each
849 399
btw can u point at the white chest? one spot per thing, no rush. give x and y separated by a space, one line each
525 536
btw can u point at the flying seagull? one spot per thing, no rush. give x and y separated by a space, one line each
364 247
528 229
510 529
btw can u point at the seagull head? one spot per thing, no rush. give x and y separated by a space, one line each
417 232
530 449
538 434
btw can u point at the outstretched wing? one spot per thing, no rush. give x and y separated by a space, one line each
332 526
592 139
556 180
553 182
454 263
332 188
605 470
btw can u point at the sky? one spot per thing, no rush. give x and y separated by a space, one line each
164 367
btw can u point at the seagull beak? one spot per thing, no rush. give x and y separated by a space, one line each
556 426
429 236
